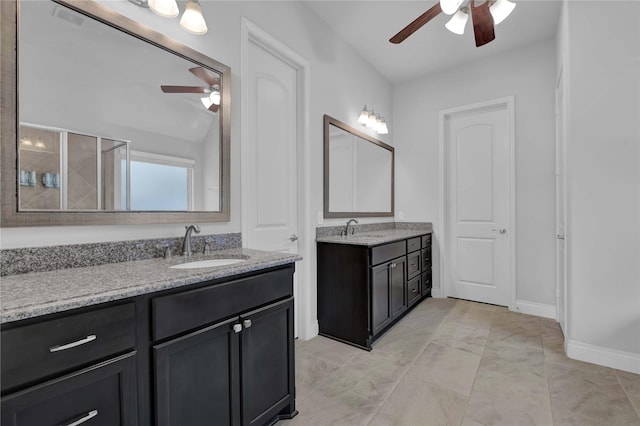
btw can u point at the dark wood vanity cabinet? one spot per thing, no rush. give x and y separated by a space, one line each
236 372
219 352
363 290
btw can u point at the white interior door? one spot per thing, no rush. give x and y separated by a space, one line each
560 208
478 202
270 154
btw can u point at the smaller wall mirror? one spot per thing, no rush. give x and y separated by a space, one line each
358 173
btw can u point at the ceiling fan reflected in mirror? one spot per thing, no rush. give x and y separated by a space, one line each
212 100
484 14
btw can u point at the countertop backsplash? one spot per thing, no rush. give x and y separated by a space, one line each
40 259
333 231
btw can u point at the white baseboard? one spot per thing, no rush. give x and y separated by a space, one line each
436 293
537 309
311 332
621 360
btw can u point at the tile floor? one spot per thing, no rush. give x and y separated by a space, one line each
453 362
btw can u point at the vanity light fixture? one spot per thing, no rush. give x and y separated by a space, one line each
373 121
165 8
192 19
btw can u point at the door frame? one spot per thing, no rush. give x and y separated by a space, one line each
251 33
506 103
561 168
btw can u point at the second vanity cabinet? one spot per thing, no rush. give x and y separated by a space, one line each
363 290
218 352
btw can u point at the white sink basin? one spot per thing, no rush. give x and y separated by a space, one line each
210 263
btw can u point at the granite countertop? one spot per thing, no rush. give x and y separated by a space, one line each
374 238
40 293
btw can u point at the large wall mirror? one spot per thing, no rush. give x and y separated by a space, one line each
358 173
105 121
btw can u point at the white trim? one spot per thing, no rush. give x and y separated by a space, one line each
251 33
441 228
621 360
537 309
436 293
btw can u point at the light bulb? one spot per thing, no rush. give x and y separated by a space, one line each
206 101
166 8
383 127
457 22
215 97
192 19
450 7
371 120
500 10
378 125
364 116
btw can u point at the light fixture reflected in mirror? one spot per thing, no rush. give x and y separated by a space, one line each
500 10
449 7
212 99
457 23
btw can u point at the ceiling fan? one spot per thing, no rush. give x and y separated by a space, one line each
212 100
485 14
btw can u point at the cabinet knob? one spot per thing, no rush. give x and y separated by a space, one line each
237 328
246 323
393 265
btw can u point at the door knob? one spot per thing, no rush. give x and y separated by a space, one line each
501 230
293 237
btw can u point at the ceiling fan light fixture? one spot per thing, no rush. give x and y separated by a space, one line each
500 10
450 7
364 116
192 19
165 8
457 22
215 97
207 102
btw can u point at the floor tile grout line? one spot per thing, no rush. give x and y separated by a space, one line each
406 371
624 390
466 408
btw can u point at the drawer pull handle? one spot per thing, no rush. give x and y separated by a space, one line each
89 338
90 415
246 323
414 290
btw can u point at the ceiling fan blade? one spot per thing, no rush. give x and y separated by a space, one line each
214 108
482 23
184 89
416 24
204 75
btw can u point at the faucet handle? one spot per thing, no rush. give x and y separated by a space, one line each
206 249
166 253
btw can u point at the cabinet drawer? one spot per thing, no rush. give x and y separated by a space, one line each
413 264
413 244
426 241
426 258
413 289
386 252
188 310
41 350
426 283
104 394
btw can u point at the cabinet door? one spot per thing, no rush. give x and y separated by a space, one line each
267 362
104 394
380 297
197 377
398 278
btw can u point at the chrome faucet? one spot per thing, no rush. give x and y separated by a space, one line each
345 231
186 243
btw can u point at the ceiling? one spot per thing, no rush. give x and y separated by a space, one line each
368 25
